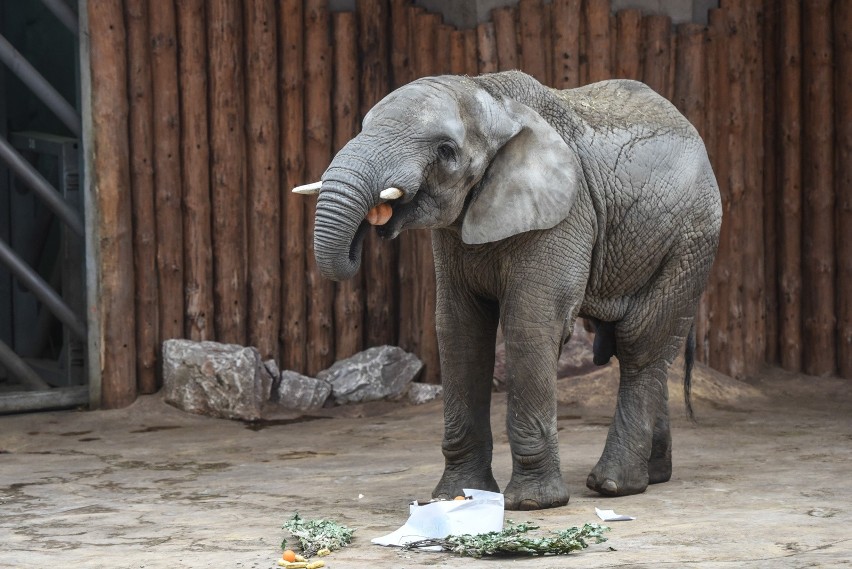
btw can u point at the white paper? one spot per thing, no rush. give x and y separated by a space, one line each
481 514
611 516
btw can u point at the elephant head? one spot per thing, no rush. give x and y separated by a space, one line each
443 152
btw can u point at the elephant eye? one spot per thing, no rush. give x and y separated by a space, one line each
446 152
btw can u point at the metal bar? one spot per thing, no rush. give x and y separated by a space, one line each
39 85
19 368
61 398
63 13
42 291
37 183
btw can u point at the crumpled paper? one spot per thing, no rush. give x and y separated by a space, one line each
482 514
611 516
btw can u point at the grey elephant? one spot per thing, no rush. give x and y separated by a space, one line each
544 205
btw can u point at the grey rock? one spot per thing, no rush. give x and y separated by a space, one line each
301 393
383 372
220 380
419 393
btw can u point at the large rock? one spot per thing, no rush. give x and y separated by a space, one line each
299 392
383 372
221 380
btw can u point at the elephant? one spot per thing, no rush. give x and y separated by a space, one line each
544 206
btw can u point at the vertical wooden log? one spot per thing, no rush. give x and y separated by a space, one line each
843 181
457 55
112 226
769 122
722 287
470 52
263 182
379 258
195 161
656 32
442 49
736 181
790 174
547 40
754 307
566 43
400 37
227 168
531 22
505 35
486 48
142 194
818 219
690 97
318 82
167 176
628 44
596 19
349 302
613 43
293 282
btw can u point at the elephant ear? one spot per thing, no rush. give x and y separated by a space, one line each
531 183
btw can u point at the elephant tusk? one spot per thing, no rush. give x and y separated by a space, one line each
391 194
308 189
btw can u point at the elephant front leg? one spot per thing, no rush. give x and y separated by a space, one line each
466 336
531 357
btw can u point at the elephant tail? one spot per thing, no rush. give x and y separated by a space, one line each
689 361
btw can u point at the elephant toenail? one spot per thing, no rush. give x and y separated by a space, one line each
609 487
529 505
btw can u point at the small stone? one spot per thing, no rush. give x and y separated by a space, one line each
220 380
419 393
301 393
382 372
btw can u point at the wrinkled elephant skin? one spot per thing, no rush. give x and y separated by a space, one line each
544 205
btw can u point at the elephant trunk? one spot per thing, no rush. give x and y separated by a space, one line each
344 200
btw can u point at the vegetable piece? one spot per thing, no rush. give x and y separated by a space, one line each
315 535
323 552
289 556
459 498
316 565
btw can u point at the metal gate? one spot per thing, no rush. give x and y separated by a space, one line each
42 254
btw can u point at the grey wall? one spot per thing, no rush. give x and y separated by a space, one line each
468 13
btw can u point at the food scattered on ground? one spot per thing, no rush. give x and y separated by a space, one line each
512 541
459 498
289 556
323 552
317 535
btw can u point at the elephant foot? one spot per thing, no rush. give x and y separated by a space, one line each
659 470
618 476
660 463
456 479
536 492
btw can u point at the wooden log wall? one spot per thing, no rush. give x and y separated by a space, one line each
234 102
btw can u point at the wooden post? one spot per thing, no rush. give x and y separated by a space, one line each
790 174
721 285
167 176
547 40
349 302
505 35
628 44
195 164
379 257
470 65
111 229
843 181
227 168
690 97
263 181
565 22
771 150
820 357
656 30
596 18
531 22
442 49
486 48
293 261
457 54
142 194
400 37
318 83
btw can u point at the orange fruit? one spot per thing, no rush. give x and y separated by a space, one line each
289 556
459 498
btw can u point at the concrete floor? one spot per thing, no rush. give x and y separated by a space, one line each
761 481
